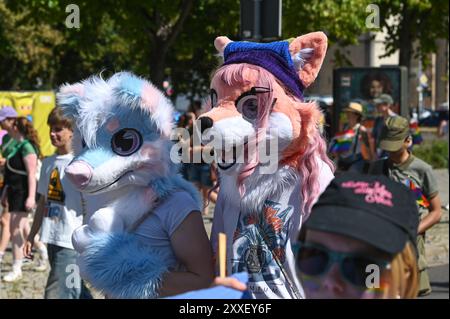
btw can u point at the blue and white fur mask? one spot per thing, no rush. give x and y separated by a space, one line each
122 152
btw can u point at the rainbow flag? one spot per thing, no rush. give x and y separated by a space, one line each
420 197
342 142
415 132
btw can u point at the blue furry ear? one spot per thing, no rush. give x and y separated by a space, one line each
69 98
127 88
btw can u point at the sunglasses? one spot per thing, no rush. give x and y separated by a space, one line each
315 261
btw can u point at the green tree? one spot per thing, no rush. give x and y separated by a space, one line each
26 50
157 39
173 40
343 22
194 57
413 26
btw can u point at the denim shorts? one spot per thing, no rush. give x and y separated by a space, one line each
200 173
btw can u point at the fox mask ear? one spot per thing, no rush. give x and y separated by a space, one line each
220 43
308 52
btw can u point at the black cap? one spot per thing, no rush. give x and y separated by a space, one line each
373 209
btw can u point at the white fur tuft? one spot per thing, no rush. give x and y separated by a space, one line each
302 57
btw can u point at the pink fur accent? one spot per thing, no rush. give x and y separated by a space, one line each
150 97
308 167
304 152
113 124
79 173
153 161
166 130
149 151
220 43
77 89
317 41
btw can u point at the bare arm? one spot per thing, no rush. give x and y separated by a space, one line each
433 217
4 200
230 283
191 247
366 139
30 162
37 223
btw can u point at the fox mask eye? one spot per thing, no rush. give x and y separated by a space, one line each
125 142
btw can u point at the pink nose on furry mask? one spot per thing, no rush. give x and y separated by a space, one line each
79 174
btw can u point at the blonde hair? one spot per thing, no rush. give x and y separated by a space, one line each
404 275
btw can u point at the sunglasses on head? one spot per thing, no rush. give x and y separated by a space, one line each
315 261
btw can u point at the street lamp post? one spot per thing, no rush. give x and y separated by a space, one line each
420 89
257 20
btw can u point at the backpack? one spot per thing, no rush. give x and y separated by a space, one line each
20 172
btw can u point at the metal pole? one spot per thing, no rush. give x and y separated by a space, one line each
433 81
420 88
257 21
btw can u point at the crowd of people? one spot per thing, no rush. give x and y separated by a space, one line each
203 175
35 186
387 151
331 254
20 158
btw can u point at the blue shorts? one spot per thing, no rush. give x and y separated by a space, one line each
200 173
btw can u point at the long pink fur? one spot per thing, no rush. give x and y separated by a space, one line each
304 152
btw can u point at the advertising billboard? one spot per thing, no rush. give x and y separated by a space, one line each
363 85
36 106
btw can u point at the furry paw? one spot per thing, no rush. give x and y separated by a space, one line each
120 266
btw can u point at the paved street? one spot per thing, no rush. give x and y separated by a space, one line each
439 282
437 244
437 240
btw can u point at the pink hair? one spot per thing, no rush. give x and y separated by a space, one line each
304 153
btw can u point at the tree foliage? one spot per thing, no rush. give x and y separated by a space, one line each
173 40
27 50
408 22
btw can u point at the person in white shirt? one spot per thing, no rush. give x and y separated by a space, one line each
59 212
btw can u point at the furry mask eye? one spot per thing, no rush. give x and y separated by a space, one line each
247 103
126 142
248 107
213 97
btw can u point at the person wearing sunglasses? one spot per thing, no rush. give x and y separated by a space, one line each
359 241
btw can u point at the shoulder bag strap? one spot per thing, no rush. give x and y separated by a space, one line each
13 153
4 147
